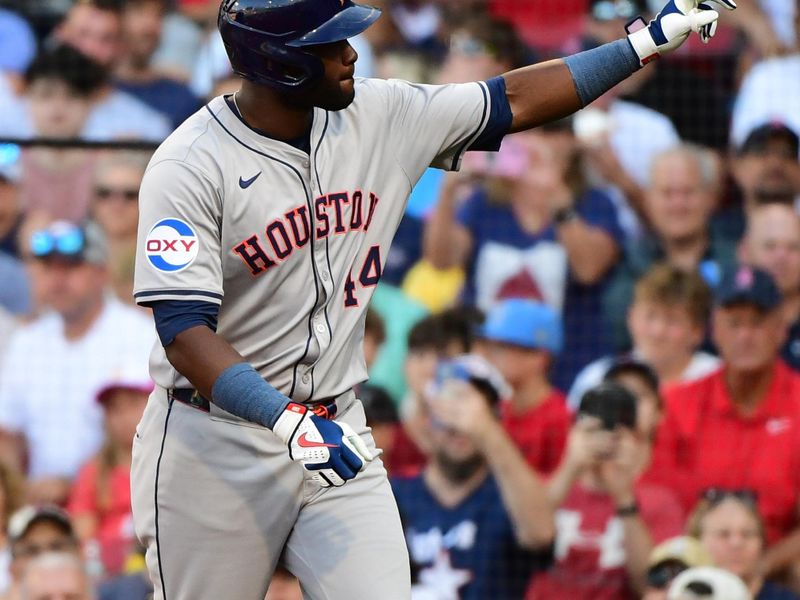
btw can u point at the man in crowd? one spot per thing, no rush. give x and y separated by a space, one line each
667 323
142 22
521 339
57 576
607 517
766 168
678 204
772 243
33 532
94 27
668 560
737 428
54 366
477 508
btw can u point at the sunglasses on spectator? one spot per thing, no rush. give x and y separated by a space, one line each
128 194
608 10
67 241
24 550
660 576
716 495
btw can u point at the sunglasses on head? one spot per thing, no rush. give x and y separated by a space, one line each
127 194
67 241
660 576
716 495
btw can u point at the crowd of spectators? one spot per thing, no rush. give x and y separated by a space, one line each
584 351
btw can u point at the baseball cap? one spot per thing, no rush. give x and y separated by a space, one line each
477 371
611 403
525 323
626 363
759 136
708 583
131 376
26 517
744 284
683 549
70 241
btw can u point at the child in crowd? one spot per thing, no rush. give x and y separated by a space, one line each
101 496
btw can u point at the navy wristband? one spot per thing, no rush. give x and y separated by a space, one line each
241 391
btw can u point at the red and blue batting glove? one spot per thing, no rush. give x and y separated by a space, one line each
670 28
331 451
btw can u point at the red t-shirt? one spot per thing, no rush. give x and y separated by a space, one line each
115 525
405 459
704 442
589 550
540 432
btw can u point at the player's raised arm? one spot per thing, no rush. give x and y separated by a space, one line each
554 89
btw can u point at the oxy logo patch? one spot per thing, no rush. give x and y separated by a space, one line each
171 245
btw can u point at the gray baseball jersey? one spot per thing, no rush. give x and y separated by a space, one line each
291 245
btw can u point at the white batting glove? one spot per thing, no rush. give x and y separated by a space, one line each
672 26
332 452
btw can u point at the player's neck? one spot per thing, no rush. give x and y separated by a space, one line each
266 111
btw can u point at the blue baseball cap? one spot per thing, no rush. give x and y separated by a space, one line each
525 323
748 285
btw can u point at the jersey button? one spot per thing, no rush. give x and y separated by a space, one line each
325 276
306 164
306 378
320 327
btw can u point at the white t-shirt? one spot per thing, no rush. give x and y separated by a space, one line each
702 364
769 92
48 384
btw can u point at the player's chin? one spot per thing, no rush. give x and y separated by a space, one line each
342 97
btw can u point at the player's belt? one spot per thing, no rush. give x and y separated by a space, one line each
325 408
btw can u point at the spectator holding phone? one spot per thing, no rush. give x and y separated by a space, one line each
606 520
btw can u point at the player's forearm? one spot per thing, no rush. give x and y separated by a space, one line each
554 89
201 356
524 495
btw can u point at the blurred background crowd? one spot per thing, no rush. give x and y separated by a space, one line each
583 351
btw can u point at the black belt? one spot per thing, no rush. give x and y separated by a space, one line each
325 408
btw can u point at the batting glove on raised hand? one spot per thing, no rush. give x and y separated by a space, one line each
670 28
332 452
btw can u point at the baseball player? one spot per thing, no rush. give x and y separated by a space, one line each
265 221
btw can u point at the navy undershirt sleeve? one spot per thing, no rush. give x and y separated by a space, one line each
174 316
500 117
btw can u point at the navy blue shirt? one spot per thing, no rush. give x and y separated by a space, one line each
467 552
167 96
507 261
773 591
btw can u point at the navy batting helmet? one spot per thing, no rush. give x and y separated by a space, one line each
265 39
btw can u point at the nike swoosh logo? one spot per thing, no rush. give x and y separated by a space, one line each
304 442
246 183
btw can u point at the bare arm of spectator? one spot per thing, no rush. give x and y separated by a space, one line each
447 243
12 450
619 475
524 495
586 442
590 250
750 18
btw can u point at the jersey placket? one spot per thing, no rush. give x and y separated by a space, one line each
320 325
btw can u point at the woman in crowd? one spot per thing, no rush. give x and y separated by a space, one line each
728 525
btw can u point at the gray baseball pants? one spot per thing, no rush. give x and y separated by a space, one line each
218 504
